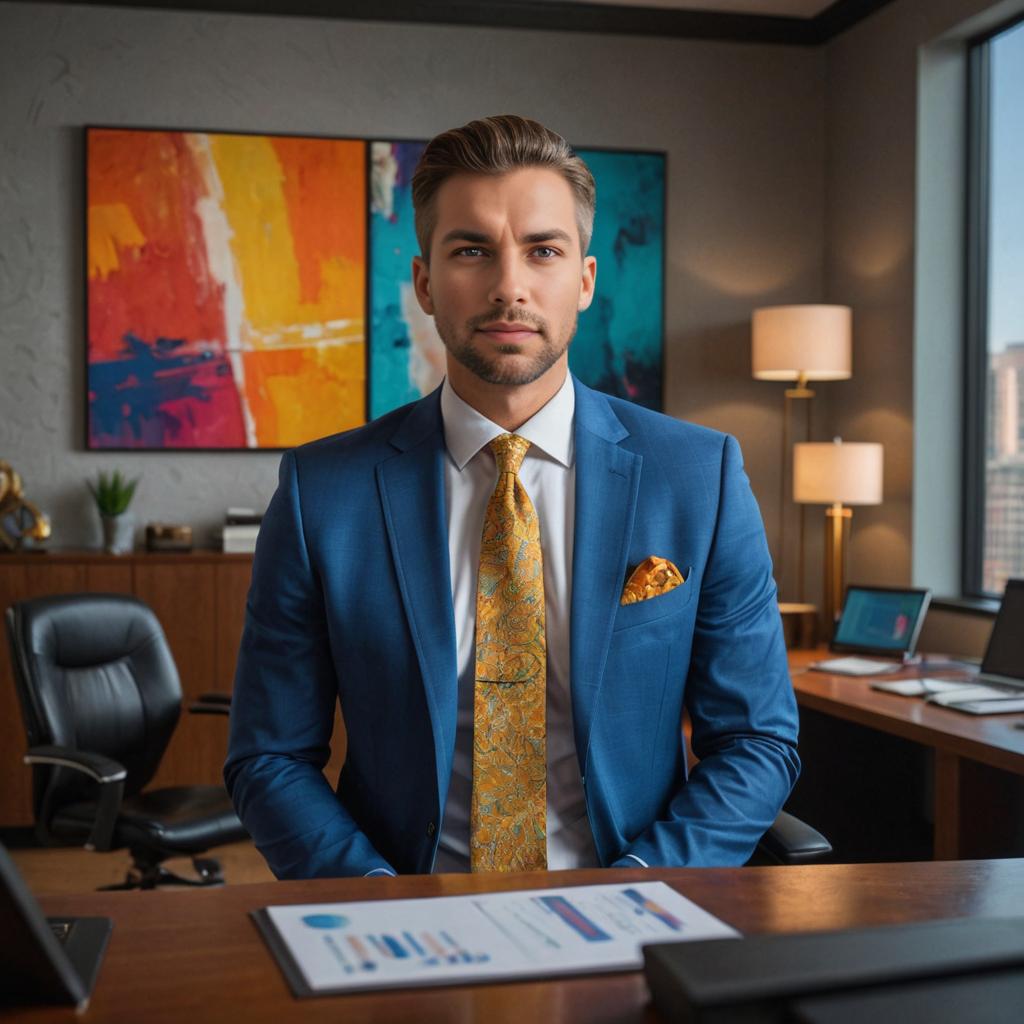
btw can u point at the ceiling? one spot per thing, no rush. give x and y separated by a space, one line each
792 22
777 8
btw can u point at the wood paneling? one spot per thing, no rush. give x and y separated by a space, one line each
111 577
232 586
184 599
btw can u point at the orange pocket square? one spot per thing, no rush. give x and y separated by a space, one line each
652 577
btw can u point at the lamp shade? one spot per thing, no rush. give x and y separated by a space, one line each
834 471
812 341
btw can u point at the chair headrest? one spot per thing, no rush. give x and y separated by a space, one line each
79 630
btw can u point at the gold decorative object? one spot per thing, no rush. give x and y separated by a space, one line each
168 537
19 518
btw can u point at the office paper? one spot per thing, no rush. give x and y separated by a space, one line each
340 947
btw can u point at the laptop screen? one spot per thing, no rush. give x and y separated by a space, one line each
1004 655
879 619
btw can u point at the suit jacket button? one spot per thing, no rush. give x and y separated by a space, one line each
430 829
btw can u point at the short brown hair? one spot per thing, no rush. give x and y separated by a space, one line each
497 145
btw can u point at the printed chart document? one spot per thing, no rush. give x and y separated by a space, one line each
345 947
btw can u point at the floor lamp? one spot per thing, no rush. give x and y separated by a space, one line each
802 344
837 474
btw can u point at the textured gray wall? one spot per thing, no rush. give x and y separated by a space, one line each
742 124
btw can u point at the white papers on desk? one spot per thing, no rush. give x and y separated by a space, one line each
341 947
960 695
854 666
922 687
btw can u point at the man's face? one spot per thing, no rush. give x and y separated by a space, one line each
506 277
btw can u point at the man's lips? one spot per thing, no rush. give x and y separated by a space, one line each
508 333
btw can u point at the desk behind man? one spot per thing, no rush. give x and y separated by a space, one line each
454 573
894 777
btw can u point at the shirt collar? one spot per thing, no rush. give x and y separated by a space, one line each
466 431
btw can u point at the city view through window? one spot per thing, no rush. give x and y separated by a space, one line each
1003 546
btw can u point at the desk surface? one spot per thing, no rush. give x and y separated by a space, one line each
196 956
989 739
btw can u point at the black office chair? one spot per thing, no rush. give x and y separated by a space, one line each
790 841
100 697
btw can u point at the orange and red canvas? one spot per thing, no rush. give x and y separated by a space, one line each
226 288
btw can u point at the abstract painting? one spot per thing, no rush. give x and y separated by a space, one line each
226 289
618 346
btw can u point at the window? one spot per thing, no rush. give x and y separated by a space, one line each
994 406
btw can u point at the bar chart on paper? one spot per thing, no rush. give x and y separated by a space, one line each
498 936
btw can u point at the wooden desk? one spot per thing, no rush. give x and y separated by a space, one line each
960 742
196 956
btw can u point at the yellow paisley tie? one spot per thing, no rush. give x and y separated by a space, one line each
508 808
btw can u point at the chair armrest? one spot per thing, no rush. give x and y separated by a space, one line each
215 703
110 775
792 841
202 708
102 768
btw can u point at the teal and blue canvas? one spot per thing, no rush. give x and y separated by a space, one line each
619 341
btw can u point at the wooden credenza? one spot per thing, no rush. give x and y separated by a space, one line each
200 601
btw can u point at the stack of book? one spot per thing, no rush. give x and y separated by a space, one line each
241 528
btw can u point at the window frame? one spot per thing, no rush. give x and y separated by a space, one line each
976 274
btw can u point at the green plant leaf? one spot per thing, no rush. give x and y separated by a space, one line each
112 492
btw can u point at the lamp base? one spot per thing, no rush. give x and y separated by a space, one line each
837 529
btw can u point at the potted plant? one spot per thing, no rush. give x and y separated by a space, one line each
113 493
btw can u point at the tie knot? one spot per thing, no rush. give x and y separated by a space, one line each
509 452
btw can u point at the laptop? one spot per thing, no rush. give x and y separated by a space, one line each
876 621
998 688
52 960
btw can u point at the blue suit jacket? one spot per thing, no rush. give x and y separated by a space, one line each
351 600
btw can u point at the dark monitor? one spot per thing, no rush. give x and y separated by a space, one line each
881 620
1004 655
45 960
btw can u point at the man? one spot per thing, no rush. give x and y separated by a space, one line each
513 586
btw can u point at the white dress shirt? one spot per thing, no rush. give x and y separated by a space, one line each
548 474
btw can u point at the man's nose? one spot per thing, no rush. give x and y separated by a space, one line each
508 286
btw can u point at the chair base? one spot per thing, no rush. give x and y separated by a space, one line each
146 873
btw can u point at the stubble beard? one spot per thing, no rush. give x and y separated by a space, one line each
488 364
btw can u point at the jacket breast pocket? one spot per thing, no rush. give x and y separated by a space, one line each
670 603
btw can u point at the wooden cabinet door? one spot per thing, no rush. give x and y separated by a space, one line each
181 593
232 588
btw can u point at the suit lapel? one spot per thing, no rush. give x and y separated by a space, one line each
411 486
607 482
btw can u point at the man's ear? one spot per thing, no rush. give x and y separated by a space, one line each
588 282
421 284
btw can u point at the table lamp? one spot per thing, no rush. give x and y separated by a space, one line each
836 474
799 343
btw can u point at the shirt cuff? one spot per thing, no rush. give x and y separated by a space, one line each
642 863
388 873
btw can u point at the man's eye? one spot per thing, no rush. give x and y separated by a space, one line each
469 250
545 252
